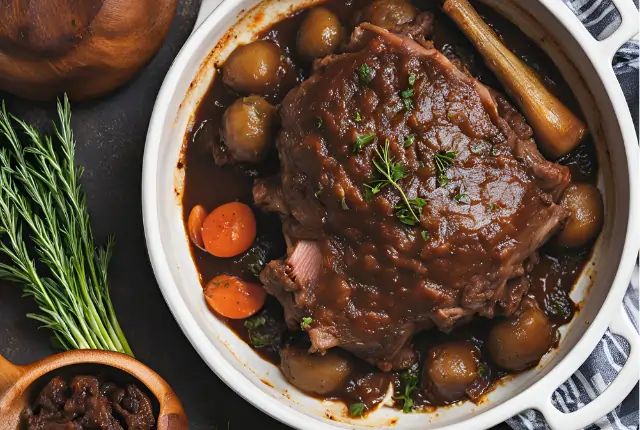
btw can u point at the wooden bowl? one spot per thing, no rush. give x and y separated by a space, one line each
18 384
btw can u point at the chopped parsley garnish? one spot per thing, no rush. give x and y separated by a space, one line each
412 80
493 207
494 151
392 172
408 141
319 123
356 409
365 74
254 322
405 211
319 191
483 369
443 161
343 204
410 382
425 235
361 141
358 118
406 98
463 198
407 93
306 322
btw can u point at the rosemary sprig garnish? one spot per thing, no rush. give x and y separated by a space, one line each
407 211
443 161
44 217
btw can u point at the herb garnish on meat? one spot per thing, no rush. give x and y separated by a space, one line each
404 210
363 140
463 198
407 211
306 322
42 203
365 74
408 141
443 161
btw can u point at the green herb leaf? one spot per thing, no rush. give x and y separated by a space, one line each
358 117
319 123
362 140
306 322
494 151
365 74
343 204
463 198
425 235
254 322
493 207
409 379
319 191
406 98
412 80
408 141
356 409
409 211
443 161
407 93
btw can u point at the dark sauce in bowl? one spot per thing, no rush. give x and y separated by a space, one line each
210 185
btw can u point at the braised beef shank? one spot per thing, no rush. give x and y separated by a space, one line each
368 281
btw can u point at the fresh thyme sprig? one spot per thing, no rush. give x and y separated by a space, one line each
407 211
44 217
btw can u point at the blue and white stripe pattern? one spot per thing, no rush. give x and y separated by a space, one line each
601 18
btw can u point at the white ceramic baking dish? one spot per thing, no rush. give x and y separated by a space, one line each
586 65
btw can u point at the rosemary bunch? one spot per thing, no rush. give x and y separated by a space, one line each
46 236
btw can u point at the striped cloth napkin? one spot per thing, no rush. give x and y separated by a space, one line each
601 18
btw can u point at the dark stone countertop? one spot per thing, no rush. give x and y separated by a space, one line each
110 134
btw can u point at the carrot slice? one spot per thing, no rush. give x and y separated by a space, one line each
194 224
229 230
234 298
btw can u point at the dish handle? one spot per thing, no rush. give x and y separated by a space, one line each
627 29
9 375
613 395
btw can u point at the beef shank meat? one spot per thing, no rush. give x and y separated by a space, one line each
367 280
